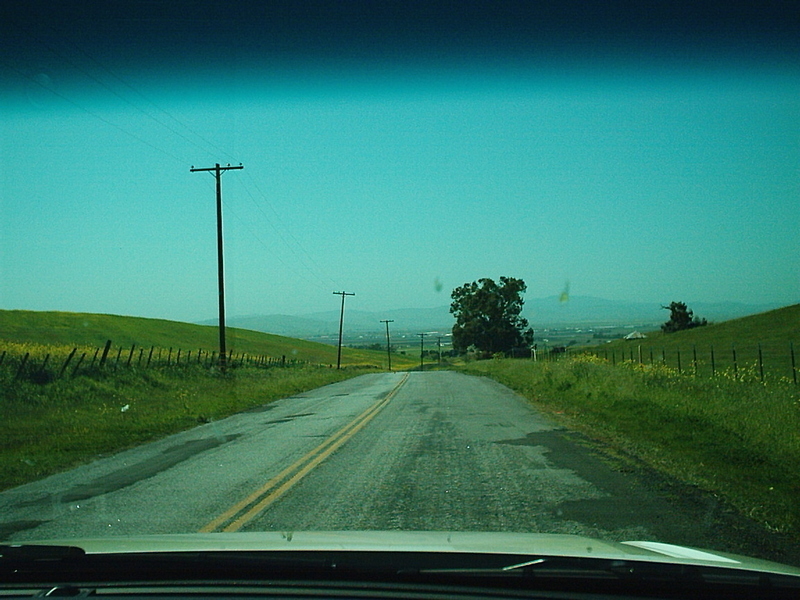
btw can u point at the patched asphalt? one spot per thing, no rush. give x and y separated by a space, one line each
448 452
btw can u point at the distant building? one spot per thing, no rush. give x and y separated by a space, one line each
635 335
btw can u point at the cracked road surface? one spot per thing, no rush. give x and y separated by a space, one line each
388 451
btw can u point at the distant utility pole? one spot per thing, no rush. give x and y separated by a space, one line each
388 344
421 350
217 172
439 350
341 324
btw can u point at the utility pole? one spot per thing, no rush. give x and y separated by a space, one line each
388 346
341 323
217 172
439 349
421 350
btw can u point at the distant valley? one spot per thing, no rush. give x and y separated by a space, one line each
542 313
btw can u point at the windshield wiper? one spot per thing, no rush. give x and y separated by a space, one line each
616 575
36 552
500 570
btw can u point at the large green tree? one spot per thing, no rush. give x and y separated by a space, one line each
488 316
680 318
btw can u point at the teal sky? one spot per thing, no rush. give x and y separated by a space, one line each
635 179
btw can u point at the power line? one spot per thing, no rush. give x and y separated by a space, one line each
178 159
103 84
304 257
313 269
285 235
247 225
288 231
94 114
183 137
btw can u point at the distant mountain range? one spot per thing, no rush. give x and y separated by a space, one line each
543 313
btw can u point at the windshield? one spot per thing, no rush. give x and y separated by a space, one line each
402 266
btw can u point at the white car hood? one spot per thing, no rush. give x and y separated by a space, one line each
425 541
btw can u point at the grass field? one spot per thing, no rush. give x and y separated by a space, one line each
63 329
736 437
775 331
52 423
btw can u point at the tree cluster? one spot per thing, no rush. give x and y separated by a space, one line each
680 318
488 316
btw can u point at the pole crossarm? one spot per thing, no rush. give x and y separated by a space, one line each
217 168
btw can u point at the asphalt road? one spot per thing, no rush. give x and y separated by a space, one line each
409 451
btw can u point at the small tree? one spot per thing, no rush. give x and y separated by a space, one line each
680 318
488 316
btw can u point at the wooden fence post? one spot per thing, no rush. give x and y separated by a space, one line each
794 368
80 360
105 353
66 362
94 358
735 364
22 365
130 356
44 364
713 364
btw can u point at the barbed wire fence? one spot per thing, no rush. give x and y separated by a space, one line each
777 360
43 364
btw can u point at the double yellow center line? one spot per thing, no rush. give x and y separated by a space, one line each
241 513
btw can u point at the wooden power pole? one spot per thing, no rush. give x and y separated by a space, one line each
217 170
341 324
388 343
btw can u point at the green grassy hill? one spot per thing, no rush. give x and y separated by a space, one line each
774 331
65 328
